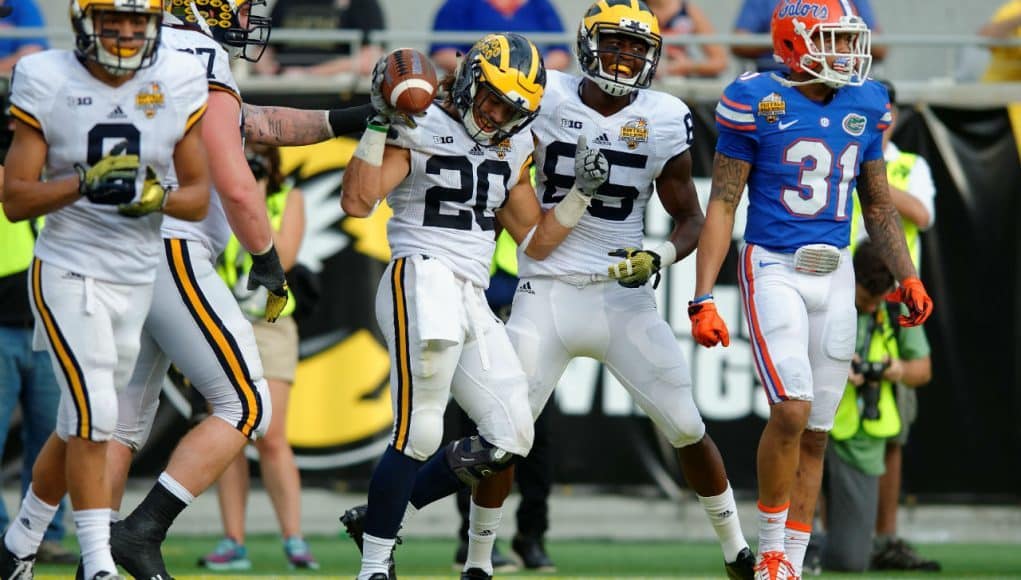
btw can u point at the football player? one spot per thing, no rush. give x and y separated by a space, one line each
195 320
448 180
590 297
800 141
115 128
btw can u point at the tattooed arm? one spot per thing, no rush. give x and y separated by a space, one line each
285 126
882 220
729 178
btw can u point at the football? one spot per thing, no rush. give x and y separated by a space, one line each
409 82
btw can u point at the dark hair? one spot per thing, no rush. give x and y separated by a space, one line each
889 89
870 270
264 160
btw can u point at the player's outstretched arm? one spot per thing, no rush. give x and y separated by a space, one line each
190 201
729 178
374 170
24 195
286 126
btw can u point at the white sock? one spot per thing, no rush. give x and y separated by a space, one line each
26 530
375 556
178 490
409 513
482 525
795 543
93 529
722 512
771 526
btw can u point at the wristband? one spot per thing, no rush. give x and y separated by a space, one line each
570 209
701 299
371 146
348 120
667 253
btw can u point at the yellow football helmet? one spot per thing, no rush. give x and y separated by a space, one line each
86 19
624 17
508 67
231 23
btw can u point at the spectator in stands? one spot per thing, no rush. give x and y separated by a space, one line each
885 355
26 376
328 58
1005 65
754 18
677 17
278 349
497 15
24 14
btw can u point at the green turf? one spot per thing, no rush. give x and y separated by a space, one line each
423 558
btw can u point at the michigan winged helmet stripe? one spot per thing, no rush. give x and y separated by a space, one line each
513 69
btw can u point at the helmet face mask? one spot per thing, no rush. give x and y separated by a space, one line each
98 27
498 86
231 23
827 41
602 62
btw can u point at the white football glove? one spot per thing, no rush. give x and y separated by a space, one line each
590 168
386 113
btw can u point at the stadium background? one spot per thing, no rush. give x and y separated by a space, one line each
968 438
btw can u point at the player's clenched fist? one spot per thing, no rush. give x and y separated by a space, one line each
707 328
636 268
912 294
111 181
590 168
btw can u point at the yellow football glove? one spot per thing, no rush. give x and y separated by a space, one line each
636 268
111 181
152 198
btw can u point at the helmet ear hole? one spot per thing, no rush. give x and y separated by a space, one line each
788 45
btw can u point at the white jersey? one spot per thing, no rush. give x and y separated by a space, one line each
445 207
637 141
82 119
213 231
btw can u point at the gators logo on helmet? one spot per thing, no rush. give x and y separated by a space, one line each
87 21
807 35
231 23
508 68
618 17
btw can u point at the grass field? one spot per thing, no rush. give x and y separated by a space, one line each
419 559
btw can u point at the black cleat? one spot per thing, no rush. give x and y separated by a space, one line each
476 574
896 554
743 567
354 522
13 567
137 550
532 552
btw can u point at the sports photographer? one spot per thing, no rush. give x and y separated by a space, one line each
867 416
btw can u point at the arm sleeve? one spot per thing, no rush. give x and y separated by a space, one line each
30 93
734 118
192 95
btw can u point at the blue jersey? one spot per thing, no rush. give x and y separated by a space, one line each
805 156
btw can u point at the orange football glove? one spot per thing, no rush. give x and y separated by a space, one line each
707 327
912 293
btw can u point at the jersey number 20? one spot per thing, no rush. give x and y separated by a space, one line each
472 184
